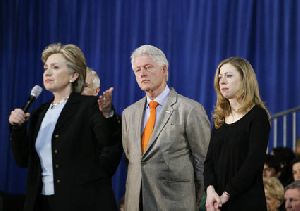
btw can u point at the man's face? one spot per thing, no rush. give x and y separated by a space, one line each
292 200
150 76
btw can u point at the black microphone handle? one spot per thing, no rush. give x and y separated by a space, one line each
28 103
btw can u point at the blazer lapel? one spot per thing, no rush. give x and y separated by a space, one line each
162 121
139 122
68 111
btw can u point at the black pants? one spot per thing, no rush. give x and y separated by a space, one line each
46 203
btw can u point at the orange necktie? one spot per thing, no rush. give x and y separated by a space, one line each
149 126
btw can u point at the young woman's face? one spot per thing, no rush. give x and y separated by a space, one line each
230 81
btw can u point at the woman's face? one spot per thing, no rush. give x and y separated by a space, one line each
230 81
269 172
296 171
57 75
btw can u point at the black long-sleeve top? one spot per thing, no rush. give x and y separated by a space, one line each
235 158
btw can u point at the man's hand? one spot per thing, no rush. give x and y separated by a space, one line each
105 102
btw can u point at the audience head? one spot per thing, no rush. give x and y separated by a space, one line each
296 168
285 156
92 84
292 196
297 151
274 193
71 56
271 167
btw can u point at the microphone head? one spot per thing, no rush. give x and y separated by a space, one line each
36 91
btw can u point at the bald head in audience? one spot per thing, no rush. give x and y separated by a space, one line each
92 85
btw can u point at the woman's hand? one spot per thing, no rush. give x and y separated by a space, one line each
213 201
18 117
224 197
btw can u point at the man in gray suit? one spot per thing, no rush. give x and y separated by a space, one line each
167 173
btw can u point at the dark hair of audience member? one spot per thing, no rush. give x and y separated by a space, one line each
285 156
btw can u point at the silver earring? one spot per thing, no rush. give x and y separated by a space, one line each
70 81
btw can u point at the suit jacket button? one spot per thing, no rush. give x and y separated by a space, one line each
55 151
56 136
58 181
56 166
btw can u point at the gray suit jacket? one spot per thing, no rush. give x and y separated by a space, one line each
171 170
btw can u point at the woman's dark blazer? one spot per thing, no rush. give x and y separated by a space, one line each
81 182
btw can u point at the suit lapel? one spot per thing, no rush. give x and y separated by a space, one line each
68 111
162 121
139 122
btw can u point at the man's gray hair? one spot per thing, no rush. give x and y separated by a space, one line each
293 185
95 77
155 53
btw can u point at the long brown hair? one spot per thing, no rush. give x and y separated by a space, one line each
248 95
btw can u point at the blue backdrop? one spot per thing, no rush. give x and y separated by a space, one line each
195 35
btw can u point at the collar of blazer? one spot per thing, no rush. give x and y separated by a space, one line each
70 108
66 113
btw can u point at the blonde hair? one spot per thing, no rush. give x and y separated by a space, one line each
249 92
75 60
273 188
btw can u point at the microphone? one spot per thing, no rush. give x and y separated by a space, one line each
35 92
